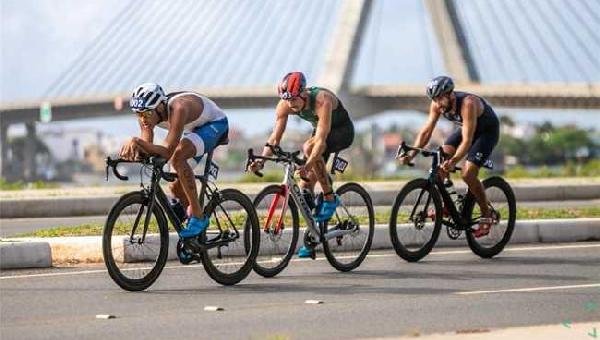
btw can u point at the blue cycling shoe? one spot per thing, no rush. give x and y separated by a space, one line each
326 209
195 227
306 252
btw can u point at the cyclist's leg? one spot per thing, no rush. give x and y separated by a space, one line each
177 191
450 145
203 140
339 138
311 176
179 161
480 151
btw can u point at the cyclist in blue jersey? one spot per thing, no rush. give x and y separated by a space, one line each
195 125
476 138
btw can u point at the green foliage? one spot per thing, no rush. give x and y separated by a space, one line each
19 185
591 168
550 145
381 217
269 176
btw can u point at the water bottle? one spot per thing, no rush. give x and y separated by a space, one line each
178 209
454 196
309 197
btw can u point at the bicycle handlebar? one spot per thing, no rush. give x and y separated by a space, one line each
281 156
157 162
403 149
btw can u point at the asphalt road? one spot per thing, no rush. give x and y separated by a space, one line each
12 227
449 290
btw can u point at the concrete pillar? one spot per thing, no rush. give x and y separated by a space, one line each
344 45
30 151
3 150
450 36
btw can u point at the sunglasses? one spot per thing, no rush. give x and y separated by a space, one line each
145 114
287 96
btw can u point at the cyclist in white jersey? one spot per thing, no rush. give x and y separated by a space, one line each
195 125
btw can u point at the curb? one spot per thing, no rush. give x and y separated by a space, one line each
100 205
25 255
43 253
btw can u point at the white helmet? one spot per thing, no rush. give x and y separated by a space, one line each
147 97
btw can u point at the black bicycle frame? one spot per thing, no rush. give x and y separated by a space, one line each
155 195
437 157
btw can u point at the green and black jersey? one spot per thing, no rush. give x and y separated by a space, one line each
339 116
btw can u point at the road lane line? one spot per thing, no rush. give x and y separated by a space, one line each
533 289
446 252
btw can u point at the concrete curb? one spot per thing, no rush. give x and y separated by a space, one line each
27 253
100 205
17 254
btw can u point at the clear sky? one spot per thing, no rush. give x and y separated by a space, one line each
40 38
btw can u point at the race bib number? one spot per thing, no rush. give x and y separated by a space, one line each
488 164
213 170
339 164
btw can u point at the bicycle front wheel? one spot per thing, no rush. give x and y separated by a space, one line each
278 227
354 221
503 201
416 220
233 223
134 252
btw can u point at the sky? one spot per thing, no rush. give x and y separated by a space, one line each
41 38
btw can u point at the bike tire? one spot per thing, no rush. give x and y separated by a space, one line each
329 248
401 246
114 271
250 224
263 268
474 243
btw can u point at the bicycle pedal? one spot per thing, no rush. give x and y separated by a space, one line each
193 245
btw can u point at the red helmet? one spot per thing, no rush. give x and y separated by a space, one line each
292 85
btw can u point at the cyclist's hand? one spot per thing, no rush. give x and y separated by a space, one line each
406 159
256 166
448 165
130 150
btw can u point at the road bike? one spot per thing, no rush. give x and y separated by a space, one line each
135 240
346 237
425 204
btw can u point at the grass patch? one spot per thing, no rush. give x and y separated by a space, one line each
381 217
19 185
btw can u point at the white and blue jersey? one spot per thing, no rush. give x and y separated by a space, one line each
204 132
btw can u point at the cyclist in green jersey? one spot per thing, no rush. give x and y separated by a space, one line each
333 132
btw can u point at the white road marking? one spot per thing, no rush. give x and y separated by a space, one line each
446 252
532 289
313 302
105 316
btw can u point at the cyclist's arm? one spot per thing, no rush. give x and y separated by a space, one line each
471 106
281 112
424 135
323 107
179 112
146 133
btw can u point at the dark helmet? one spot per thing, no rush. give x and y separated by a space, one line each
439 85
291 85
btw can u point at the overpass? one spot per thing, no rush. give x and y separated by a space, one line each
92 86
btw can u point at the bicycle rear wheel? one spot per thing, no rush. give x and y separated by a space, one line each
278 228
355 214
231 216
503 201
416 220
133 256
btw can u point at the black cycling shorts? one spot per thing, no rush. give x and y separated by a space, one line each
482 146
338 139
